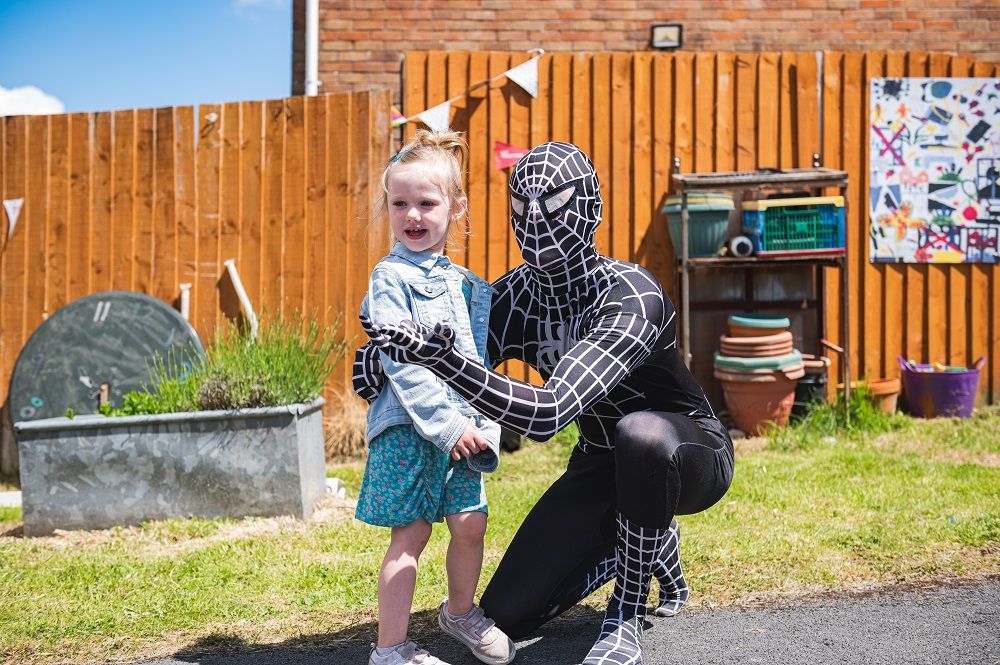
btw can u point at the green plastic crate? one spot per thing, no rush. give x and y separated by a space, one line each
807 225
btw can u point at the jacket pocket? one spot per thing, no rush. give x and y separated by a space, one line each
431 301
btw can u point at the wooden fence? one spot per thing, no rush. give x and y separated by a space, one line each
147 199
634 112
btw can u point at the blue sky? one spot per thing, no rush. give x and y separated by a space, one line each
93 55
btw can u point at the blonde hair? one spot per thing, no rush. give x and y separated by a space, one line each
443 156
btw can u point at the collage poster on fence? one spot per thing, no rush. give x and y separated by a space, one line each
934 156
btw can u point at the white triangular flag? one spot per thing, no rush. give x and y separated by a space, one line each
526 76
437 118
13 208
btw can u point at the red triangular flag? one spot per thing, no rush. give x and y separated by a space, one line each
505 155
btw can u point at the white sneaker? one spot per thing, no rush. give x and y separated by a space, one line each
478 632
407 653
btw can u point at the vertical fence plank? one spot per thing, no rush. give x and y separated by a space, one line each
960 275
272 191
78 283
357 258
601 101
414 90
582 121
704 112
893 283
57 221
657 252
143 209
480 161
230 208
205 312
746 111
12 284
251 149
101 202
872 315
32 222
122 198
807 108
187 203
833 120
621 156
294 240
339 117
855 134
164 251
725 112
915 303
787 138
458 82
984 308
768 109
518 133
497 199
315 296
938 304
641 146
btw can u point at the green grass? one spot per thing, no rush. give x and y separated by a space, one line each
918 502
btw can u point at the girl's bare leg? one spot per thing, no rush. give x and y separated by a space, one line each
397 580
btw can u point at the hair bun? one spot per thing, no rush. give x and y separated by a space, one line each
451 142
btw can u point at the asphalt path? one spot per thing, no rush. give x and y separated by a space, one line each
954 624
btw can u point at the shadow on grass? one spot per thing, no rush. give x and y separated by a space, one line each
563 640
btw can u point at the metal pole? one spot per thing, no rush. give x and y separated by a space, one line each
845 329
312 47
243 297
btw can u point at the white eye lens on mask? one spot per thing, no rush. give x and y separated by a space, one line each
559 199
517 205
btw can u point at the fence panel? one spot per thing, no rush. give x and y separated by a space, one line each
633 113
146 199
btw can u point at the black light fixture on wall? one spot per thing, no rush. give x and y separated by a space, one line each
665 36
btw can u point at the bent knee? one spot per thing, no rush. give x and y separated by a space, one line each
467 528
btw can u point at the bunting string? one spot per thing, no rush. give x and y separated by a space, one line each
437 117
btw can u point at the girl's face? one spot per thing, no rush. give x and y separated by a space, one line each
420 212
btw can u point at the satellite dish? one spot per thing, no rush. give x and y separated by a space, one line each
106 338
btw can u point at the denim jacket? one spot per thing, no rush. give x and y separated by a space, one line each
427 288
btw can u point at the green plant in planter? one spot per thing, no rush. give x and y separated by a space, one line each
287 363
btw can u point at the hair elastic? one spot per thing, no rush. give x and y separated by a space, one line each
399 155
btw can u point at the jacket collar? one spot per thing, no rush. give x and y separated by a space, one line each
425 260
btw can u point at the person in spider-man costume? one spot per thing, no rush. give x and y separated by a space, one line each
602 334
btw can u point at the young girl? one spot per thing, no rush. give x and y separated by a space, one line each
427 446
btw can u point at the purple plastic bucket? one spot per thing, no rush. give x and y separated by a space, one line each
932 394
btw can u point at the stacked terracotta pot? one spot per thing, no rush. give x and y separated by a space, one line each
759 368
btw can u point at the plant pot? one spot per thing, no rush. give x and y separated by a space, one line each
757 325
93 472
755 347
884 393
755 404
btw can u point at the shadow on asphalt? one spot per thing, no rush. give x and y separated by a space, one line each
563 640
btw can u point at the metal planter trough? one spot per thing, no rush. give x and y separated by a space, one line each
93 472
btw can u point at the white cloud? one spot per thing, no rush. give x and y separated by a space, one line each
28 100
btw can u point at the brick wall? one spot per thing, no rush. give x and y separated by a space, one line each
362 41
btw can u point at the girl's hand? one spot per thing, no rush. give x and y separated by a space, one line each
470 443
408 342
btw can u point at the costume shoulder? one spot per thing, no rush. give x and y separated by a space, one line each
640 292
508 312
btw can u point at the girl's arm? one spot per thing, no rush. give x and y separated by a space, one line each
618 342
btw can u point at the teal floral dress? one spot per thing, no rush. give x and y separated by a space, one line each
407 478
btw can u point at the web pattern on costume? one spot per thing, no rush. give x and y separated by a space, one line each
597 330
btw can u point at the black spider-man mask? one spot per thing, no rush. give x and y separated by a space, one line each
556 204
